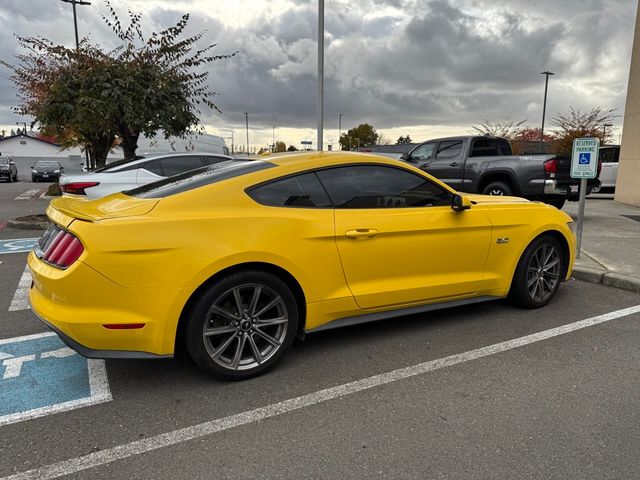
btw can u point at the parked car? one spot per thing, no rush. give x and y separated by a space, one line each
482 164
8 169
46 171
127 174
238 258
609 157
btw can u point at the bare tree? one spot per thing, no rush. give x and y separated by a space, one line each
505 128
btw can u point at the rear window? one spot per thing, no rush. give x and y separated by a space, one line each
198 178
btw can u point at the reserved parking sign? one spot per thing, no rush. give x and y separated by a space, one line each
584 161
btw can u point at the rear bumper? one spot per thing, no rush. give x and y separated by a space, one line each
53 177
568 189
77 302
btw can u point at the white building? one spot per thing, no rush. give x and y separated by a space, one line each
26 150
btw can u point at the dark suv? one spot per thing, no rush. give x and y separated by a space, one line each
8 169
46 170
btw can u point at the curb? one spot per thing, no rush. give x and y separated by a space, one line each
23 225
605 277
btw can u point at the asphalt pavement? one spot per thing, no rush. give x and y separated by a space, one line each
471 392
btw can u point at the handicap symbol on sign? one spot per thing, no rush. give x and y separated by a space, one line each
39 375
584 158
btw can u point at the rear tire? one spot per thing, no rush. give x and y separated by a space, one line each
498 189
538 274
242 325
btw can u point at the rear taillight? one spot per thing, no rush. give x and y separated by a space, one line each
59 248
78 188
599 166
551 166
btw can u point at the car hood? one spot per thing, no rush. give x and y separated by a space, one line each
64 210
495 199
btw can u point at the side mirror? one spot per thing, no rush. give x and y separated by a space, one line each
11 162
405 157
460 203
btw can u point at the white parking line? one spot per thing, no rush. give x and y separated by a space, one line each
21 297
78 464
28 194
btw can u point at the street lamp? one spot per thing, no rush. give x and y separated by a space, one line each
544 105
75 18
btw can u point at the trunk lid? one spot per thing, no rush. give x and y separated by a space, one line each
64 210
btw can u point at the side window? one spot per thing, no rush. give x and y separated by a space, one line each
484 147
153 166
423 152
373 186
608 155
174 165
449 149
211 159
298 191
504 148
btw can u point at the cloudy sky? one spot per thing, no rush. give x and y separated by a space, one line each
420 67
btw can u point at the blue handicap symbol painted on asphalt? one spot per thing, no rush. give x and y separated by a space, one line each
584 158
17 245
40 375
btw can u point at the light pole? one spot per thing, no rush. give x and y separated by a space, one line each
604 131
75 18
246 118
320 72
339 128
24 132
544 105
273 140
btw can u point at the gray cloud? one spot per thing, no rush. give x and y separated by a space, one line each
389 62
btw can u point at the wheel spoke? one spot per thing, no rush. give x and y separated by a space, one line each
268 307
531 281
210 332
238 299
555 276
268 338
272 321
254 348
547 257
548 266
238 354
224 313
220 350
254 300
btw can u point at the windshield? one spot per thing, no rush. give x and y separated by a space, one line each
198 178
4 161
47 164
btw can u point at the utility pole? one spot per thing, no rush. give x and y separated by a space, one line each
273 140
246 118
319 142
544 106
339 129
75 18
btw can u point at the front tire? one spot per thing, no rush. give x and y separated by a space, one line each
498 189
538 273
242 325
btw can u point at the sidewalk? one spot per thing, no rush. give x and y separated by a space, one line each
610 244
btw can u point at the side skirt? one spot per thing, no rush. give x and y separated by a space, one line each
374 317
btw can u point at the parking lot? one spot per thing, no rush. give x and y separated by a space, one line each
487 391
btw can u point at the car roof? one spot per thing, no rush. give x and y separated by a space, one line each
120 164
302 160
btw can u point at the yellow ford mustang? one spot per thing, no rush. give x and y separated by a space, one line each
238 258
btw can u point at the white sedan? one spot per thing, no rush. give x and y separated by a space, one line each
128 174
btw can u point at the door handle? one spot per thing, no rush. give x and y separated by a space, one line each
361 233
454 164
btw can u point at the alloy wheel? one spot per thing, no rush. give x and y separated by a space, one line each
496 191
245 326
543 272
